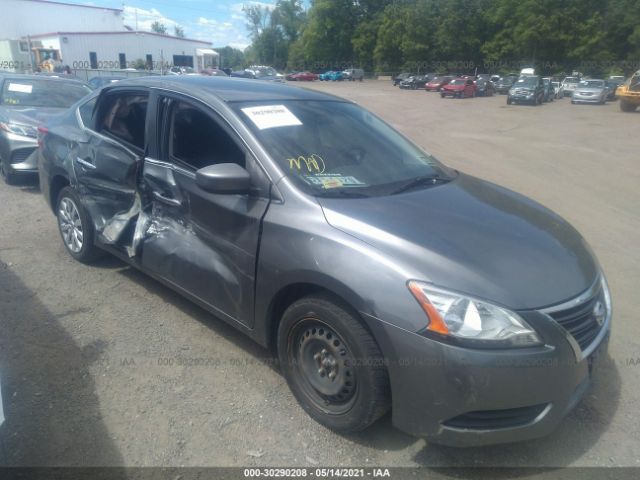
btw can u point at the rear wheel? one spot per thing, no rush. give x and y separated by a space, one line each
76 227
627 107
332 364
508 101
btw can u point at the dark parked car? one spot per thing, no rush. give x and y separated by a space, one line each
415 82
382 278
484 88
505 83
97 82
25 102
400 77
527 89
612 86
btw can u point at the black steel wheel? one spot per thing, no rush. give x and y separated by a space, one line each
332 364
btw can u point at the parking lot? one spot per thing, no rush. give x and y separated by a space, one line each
101 365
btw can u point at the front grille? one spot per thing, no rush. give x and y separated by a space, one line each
580 320
494 419
21 155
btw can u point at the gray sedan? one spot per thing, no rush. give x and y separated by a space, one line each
382 278
25 102
590 91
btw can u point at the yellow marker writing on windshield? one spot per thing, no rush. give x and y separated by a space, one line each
313 163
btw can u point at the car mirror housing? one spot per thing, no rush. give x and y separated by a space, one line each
225 178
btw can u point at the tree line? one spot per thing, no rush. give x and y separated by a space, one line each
592 36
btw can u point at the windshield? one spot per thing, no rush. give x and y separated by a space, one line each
332 148
571 80
266 72
526 82
42 93
458 81
592 83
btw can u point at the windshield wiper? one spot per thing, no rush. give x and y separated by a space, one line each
424 180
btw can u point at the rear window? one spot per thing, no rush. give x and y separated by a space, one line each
42 93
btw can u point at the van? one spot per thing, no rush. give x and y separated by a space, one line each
353 74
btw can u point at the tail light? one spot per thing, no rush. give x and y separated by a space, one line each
42 131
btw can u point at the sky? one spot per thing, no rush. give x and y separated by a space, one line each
220 22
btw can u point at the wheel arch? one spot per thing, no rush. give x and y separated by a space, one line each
58 182
291 292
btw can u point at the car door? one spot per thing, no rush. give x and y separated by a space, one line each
469 88
206 244
106 166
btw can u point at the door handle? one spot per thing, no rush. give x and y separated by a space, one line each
169 201
84 163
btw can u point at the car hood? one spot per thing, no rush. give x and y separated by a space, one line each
590 89
29 115
474 237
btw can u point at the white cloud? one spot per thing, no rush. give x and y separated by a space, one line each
145 18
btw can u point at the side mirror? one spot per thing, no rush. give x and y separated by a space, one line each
224 178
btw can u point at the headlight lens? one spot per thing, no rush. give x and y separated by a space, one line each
19 129
472 320
607 295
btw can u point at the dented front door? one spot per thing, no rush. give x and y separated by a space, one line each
203 243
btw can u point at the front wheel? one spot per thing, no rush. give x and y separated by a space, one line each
508 101
7 173
76 227
332 364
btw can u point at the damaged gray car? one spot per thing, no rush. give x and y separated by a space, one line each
383 279
25 102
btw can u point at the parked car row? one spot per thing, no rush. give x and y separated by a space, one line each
266 208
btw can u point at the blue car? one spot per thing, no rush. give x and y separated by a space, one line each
332 75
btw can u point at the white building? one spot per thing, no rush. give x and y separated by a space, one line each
88 37
126 49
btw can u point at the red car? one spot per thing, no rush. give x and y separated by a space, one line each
437 83
459 88
302 77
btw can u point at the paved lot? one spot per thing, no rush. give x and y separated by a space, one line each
90 356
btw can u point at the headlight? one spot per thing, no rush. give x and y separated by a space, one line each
19 129
607 296
471 320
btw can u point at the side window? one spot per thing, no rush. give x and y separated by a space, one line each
197 140
123 115
86 112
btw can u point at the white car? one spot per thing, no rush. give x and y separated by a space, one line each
558 88
569 84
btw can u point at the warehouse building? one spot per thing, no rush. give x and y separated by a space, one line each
42 34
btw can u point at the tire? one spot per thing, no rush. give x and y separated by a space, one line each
319 337
7 173
508 101
74 221
442 95
627 107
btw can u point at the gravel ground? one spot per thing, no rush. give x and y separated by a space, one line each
101 365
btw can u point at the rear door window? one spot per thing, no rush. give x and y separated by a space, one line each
123 117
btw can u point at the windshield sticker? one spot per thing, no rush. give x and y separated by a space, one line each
313 163
20 87
333 180
270 116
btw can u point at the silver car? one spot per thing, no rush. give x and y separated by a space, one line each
590 91
25 102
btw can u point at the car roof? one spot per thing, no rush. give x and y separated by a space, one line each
47 78
226 89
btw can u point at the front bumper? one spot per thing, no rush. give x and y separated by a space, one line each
16 150
437 387
586 98
522 98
